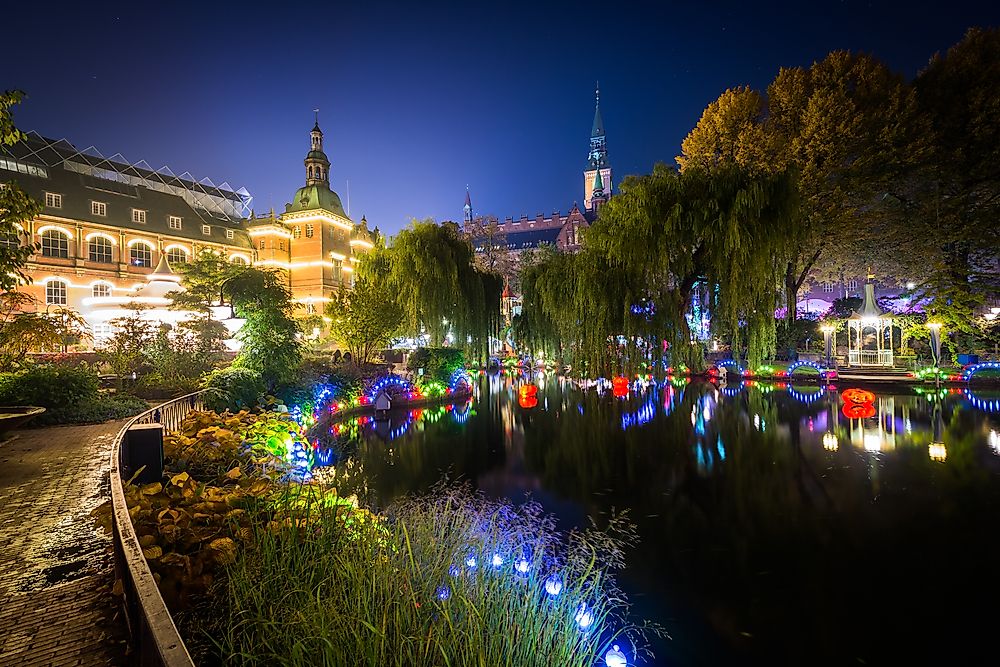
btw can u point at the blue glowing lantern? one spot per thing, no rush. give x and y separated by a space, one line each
584 617
454 571
497 560
553 585
443 593
470 562
615 658
522 566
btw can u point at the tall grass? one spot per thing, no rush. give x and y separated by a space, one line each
316 590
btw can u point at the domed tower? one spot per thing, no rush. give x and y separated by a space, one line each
316 162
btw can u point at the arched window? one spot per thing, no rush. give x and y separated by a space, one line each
55 292
296 231
309 231
310 169
177 256
141 254
99 250
238 259
55 244
101 290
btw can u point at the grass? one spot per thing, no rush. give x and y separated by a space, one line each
327 586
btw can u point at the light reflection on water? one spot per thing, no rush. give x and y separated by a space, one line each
774 527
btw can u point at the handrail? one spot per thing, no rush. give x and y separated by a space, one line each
154 634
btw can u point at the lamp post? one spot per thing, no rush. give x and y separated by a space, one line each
828 330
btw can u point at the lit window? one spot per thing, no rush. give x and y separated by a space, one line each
262 244
177 256
102 331
237 259
852 285
206 230
99 250
98 208
140 254
828 287
101 289
55 244
338 266
139 216
229 234
296 231
281 244
174 222
310 309
55 293
53 200
309 231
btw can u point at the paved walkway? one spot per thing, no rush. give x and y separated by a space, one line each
56 575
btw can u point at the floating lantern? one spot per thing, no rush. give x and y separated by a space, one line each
858 396
619 387
553 585
522 566
615 658
497 560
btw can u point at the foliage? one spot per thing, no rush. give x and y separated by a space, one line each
125 350
439 363
182 354
49 385
364 319
494 256
16 208
21 332
402 593
93 410
430 270
662 238
233 388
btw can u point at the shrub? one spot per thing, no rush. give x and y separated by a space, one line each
438 362
93 411
233 388
49 385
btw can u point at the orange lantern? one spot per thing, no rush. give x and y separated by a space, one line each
619 386
527 390
860 396
858 410
527 402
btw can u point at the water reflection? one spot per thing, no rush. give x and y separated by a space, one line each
773 526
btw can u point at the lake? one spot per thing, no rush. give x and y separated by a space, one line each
778 524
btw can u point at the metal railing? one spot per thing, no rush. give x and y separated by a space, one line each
155 638
869 357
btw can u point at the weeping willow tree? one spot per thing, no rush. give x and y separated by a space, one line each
632 287
430 270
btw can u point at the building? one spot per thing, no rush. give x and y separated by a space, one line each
559 230
107 224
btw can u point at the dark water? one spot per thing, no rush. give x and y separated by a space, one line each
774 529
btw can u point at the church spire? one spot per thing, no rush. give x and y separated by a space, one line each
598 128
468 206
316 163
598 156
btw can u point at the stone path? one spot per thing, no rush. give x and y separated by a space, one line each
56 575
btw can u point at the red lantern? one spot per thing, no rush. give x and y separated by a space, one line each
527 402
619 387
527 390
858 410
861 396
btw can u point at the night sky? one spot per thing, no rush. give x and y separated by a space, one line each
419 99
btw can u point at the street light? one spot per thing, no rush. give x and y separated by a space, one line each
828 330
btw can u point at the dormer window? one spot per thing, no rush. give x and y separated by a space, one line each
206 230
99 208
174 222
139 216
229 234
53 200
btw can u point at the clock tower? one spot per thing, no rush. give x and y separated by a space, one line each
598 172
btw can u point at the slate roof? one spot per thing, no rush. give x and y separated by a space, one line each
531 238
78 190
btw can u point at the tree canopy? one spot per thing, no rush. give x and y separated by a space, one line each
16 208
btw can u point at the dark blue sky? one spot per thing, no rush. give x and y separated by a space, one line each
419 99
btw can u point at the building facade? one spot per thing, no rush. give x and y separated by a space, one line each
106 225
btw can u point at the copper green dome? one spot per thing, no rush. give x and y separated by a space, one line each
316 155
316 196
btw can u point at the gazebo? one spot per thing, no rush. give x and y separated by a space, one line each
866 332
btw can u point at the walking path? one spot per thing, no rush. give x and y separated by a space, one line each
56 574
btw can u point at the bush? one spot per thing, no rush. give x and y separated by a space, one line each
51 386
438 362
233 388
93 411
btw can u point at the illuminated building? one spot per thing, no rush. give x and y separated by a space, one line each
107 226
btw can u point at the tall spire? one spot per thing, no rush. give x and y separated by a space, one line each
468 206
598 128
316 162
